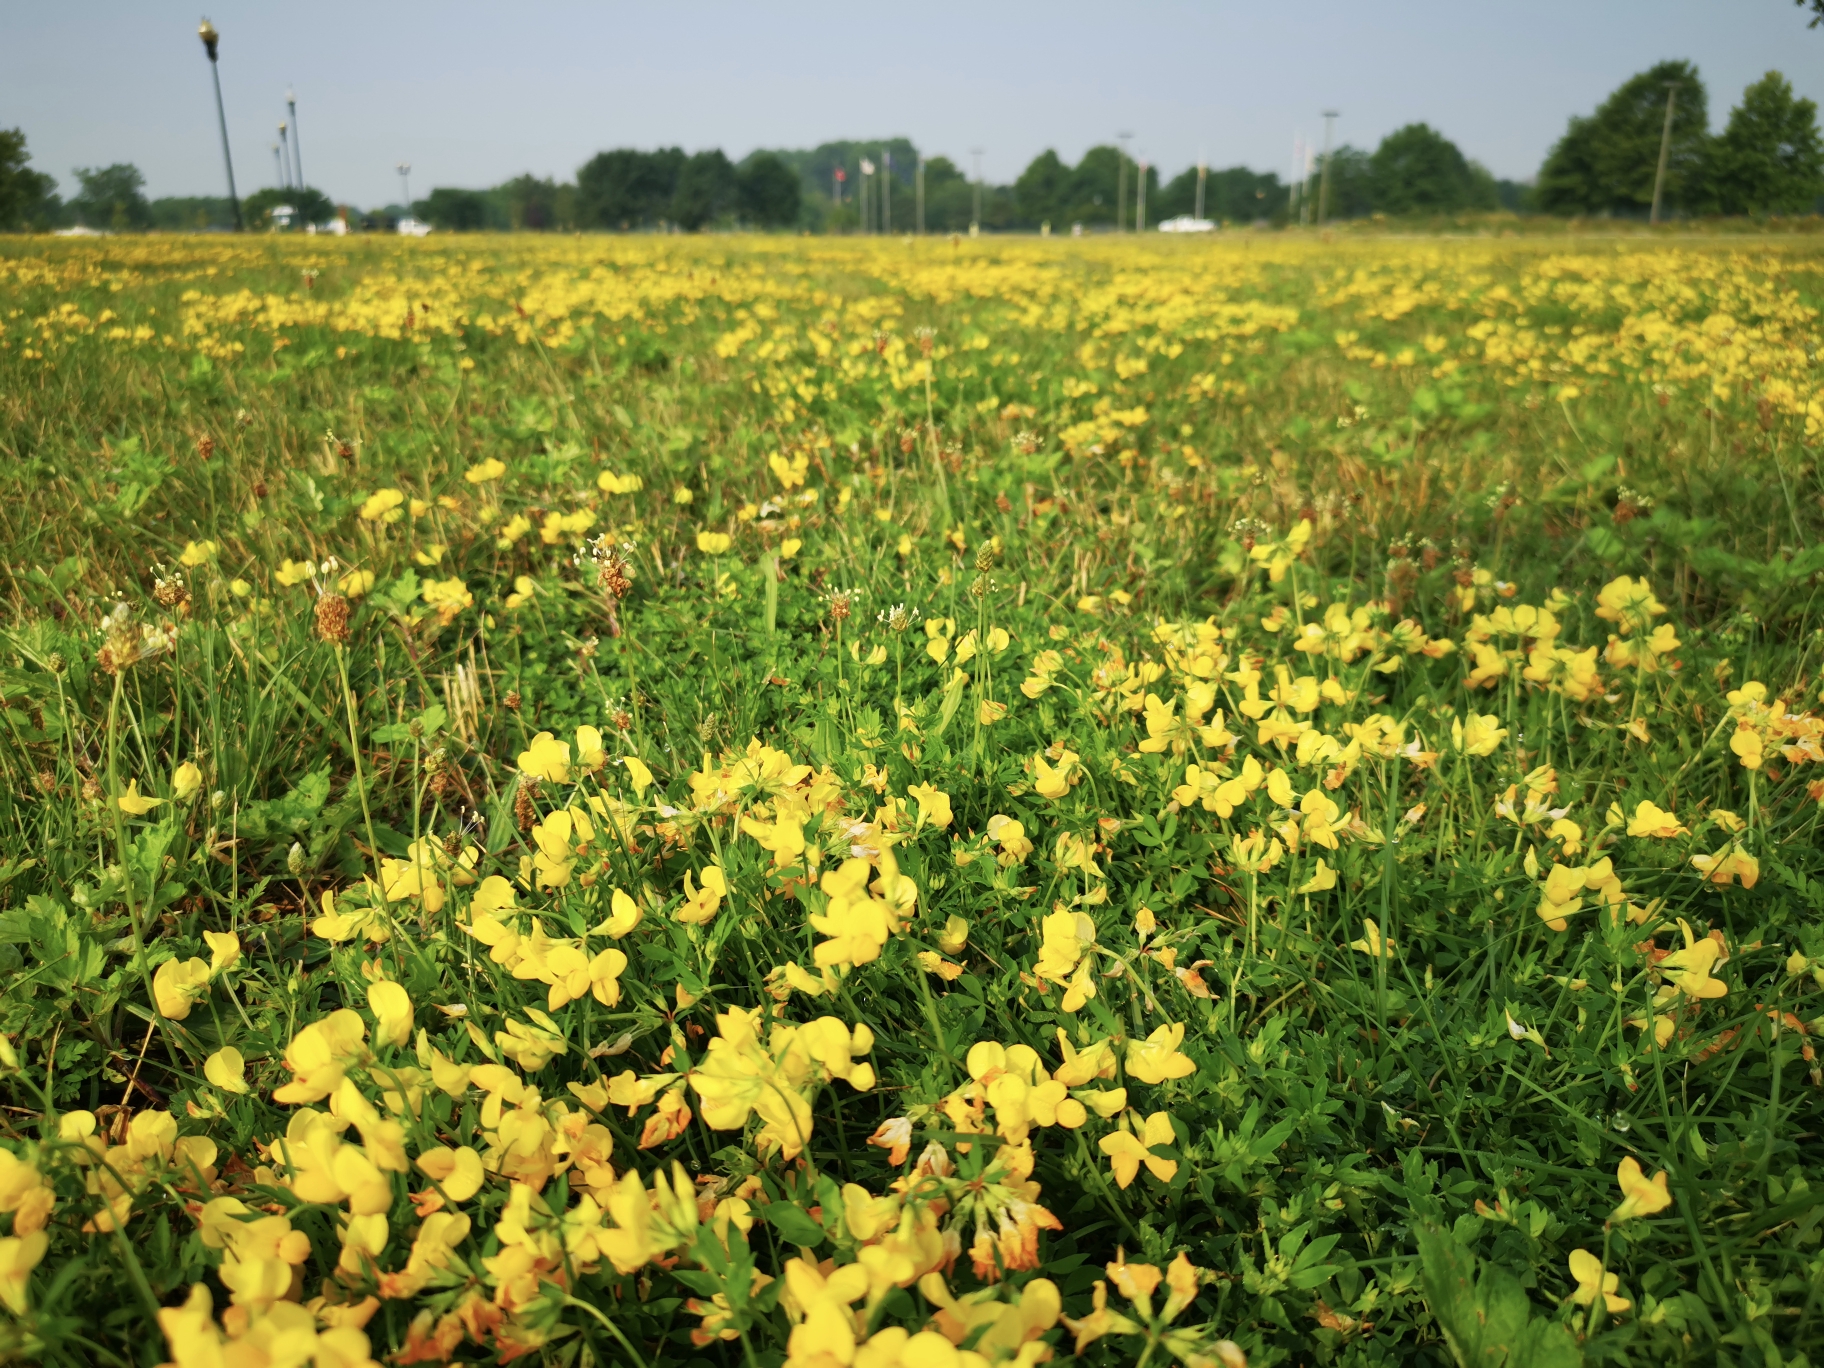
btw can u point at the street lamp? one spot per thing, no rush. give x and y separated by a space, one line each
405 181
206 31
284 154
297 142
1121 183
1323 185
975 225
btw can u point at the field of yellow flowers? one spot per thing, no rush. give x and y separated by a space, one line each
854 804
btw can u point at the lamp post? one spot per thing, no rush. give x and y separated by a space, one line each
405 183
278 167
1140 198
206 31
975 224
1323 186
284 155
1665 151
1203 171
297 141
919 189
1121 184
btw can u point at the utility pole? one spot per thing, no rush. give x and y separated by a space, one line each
1140 199
1203 170
1294 210
278 167
206 31
1323 188
405 181
975 224
297 142
918 191
1665 151
1121 184
886 190
284 155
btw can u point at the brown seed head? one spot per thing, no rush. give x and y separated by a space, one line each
332 619
512 700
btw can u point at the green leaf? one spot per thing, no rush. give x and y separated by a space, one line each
794 1223
1487 1320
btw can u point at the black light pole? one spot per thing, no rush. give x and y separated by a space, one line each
206 31
297 140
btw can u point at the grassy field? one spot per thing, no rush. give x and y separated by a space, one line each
830 802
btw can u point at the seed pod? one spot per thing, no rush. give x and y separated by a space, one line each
332 619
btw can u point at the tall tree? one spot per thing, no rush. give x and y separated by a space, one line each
534 203
1769 159
28 198
1039 191
112 197
768 191
1606 163
1416 169
1095 186
626 188
454 211
949 197
706 190
1351 185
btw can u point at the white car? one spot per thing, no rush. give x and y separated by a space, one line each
1184 223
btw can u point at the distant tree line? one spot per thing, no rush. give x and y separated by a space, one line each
1767 159
625 190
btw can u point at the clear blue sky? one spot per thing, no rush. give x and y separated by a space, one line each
472 93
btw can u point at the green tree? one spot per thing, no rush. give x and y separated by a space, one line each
1417 170
1606 163
949 197
769 192
1039 191
1095 186
1351 185
706 190
626 188
28 198
533 204
1237 195
112 197
306 205
455 211
191 213
1769 159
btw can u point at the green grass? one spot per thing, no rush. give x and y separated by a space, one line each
1376 1158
